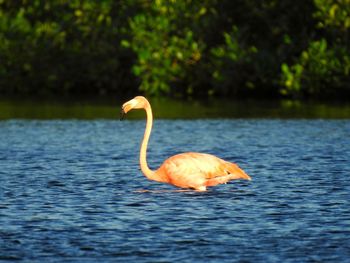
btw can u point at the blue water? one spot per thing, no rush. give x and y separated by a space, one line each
72 191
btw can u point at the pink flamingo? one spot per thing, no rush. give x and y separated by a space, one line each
185 170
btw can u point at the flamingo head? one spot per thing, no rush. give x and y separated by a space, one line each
138 102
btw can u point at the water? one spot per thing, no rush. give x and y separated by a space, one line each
72 191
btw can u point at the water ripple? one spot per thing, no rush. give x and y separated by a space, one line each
73 191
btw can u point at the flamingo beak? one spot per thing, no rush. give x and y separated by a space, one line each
127 106
122 114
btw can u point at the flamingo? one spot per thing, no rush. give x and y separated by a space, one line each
185 170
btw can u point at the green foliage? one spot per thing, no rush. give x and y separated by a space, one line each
229 60
60 47
322 69
333 13
176 48
269 33
317 69
164 49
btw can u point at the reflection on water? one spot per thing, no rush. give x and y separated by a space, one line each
71 190
172 109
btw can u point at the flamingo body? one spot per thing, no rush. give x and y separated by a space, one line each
185 170
198 170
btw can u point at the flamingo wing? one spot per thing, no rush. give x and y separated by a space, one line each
198 170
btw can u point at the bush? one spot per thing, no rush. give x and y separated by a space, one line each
204 48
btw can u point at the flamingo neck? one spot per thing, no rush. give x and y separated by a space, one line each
143 151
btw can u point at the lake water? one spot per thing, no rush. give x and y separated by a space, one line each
71 190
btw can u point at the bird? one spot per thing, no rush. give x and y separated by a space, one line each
190 170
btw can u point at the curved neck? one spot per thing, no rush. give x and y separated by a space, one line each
143 151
